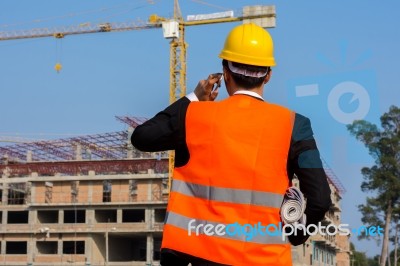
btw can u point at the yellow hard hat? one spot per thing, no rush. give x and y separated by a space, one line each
249 44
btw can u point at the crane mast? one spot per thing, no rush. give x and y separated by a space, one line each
178 59
177 87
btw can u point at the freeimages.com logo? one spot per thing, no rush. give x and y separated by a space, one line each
250 231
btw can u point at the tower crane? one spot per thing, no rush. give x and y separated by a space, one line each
173 28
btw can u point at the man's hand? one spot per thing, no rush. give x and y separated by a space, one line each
204 89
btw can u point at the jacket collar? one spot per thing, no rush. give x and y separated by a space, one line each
249 93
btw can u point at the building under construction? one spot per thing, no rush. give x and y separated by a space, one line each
96 200
326 249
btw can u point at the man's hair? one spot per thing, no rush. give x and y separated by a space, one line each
243 81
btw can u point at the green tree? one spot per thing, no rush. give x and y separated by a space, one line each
358 258
373 261
383 178
394 254
392 258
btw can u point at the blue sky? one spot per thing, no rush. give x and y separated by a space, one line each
106 74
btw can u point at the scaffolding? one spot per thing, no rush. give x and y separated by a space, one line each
132 121
103 153
332 178
91 147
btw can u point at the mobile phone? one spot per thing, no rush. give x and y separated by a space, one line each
218 83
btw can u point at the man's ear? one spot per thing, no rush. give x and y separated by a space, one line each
268 76
226 74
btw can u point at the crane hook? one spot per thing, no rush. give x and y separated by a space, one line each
58 67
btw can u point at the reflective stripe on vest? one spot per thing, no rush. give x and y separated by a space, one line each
239 196
183 222
237 173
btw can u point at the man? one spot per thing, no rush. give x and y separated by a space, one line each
234 161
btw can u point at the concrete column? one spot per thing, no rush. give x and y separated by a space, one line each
31 249
29 156
88 154
59 247
6 172
4 218
149 249
119 215
78 152
90 186
33 192
89 216
107 248
90 192
149 218
61 216
32 188
129 154
4 176
3 247
32 217
4 198
88 249
150 190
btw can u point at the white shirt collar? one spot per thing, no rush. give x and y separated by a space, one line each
250 93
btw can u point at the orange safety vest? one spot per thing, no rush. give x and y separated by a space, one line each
236 175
